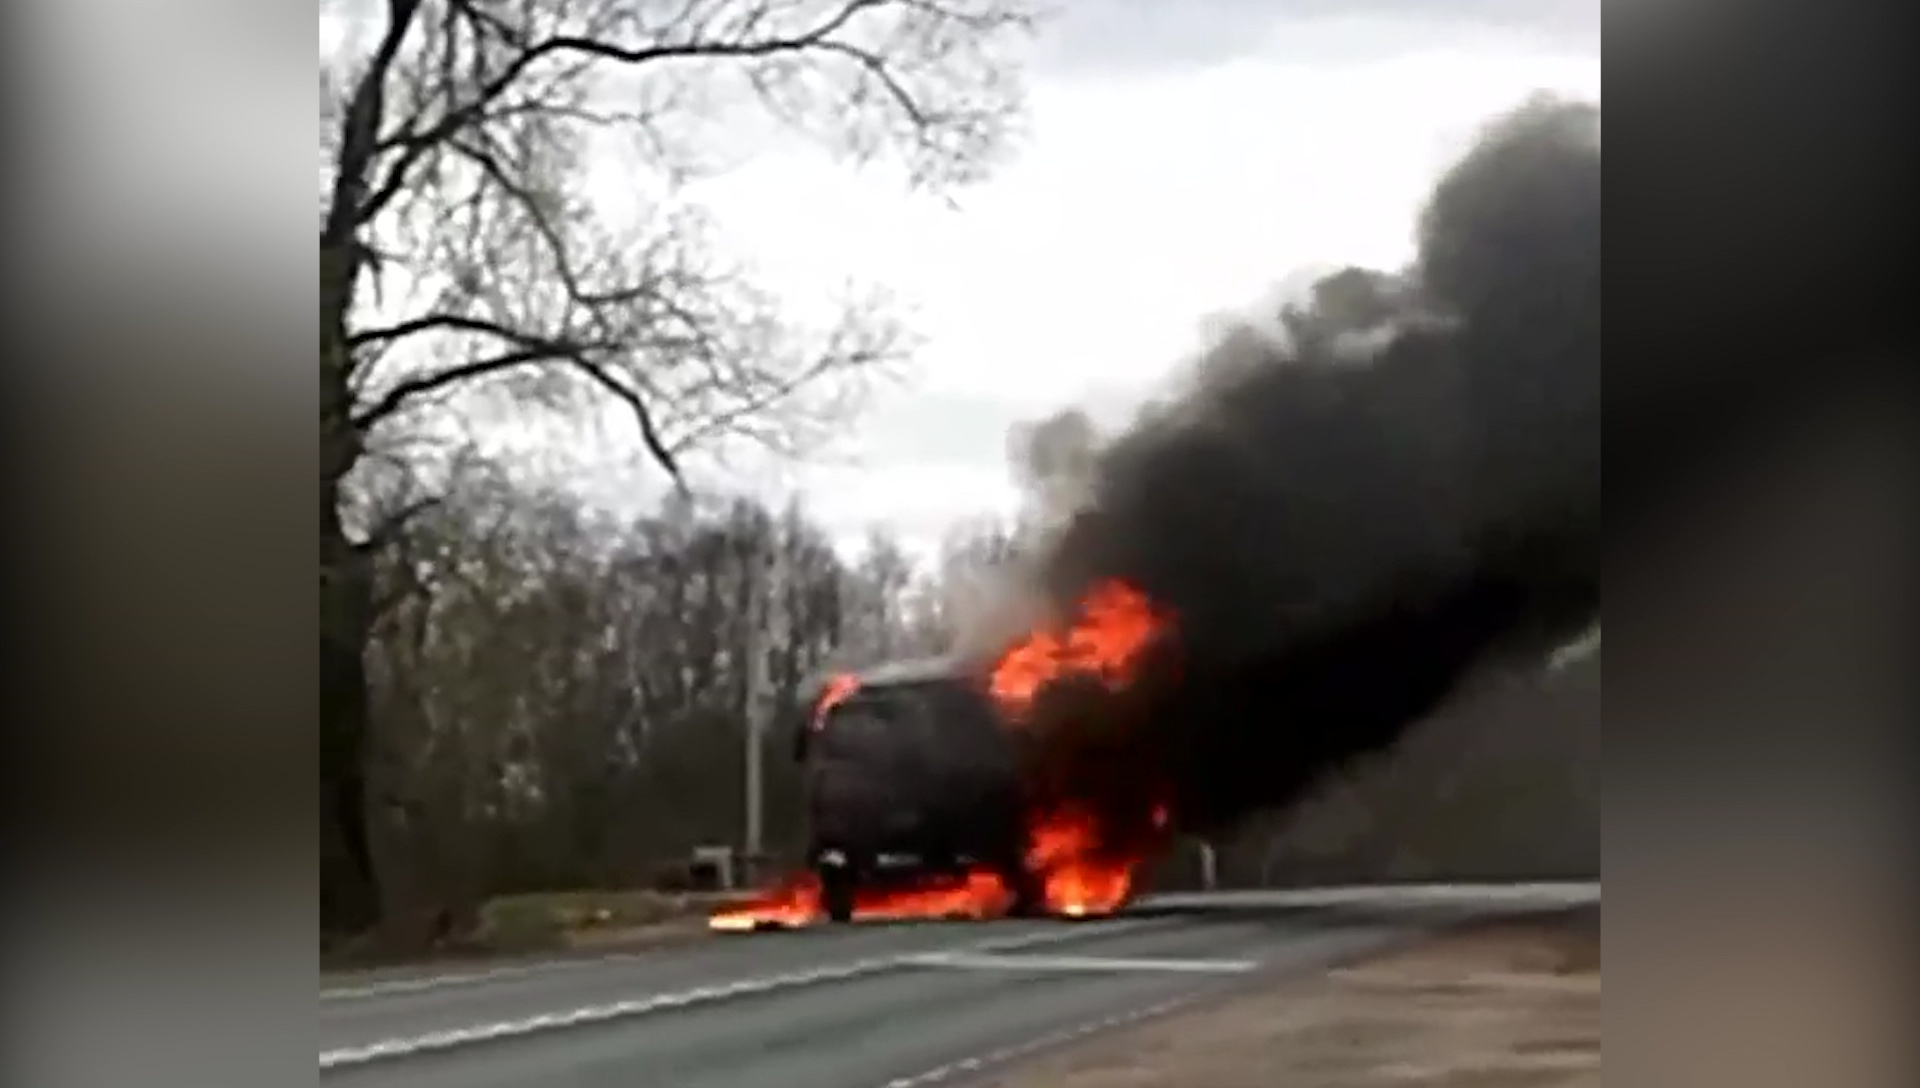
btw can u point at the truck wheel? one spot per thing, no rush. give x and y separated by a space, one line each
1029 901
836 893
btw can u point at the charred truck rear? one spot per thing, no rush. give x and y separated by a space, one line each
910 776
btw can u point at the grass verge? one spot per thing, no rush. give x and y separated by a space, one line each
531 925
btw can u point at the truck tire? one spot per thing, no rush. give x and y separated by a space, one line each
837 887
1029 899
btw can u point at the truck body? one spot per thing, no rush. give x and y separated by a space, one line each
909 774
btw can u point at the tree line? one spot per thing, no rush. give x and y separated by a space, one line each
561 696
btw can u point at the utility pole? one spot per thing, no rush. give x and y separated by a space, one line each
1209 867
769 624
756 713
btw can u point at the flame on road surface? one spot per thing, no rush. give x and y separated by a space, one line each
1074 880
976 896
795 902
1077 871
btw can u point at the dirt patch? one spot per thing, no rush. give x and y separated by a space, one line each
1510 1005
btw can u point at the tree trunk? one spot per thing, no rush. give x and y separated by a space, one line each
349 891
349 894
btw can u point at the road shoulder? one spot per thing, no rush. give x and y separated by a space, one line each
1512 1004
570 949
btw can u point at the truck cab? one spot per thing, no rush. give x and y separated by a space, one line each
909 775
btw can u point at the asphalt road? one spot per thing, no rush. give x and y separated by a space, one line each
883 1006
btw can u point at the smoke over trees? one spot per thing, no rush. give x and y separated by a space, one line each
1347 520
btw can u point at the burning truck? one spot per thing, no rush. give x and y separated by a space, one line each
921 801
911 779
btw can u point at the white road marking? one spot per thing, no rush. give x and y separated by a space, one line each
1075 1033
400 1046
1045 1042
588 1014
464 978
434 982
1075 931
1392 896
989 961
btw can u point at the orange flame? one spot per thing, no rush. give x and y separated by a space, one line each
1116 623
976 896
839 688
1079 875
1073 880
796 902
1078 871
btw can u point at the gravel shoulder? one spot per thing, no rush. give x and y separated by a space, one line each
1512 1004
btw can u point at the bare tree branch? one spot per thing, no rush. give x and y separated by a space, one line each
417 144
649 433
360 128
413 388
531 350
431 323
457 168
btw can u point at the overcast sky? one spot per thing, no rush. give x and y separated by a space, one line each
1185 157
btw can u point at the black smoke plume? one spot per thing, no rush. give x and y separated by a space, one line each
1345 520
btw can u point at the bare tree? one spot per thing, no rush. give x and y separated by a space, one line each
560 700
460 249
875 593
